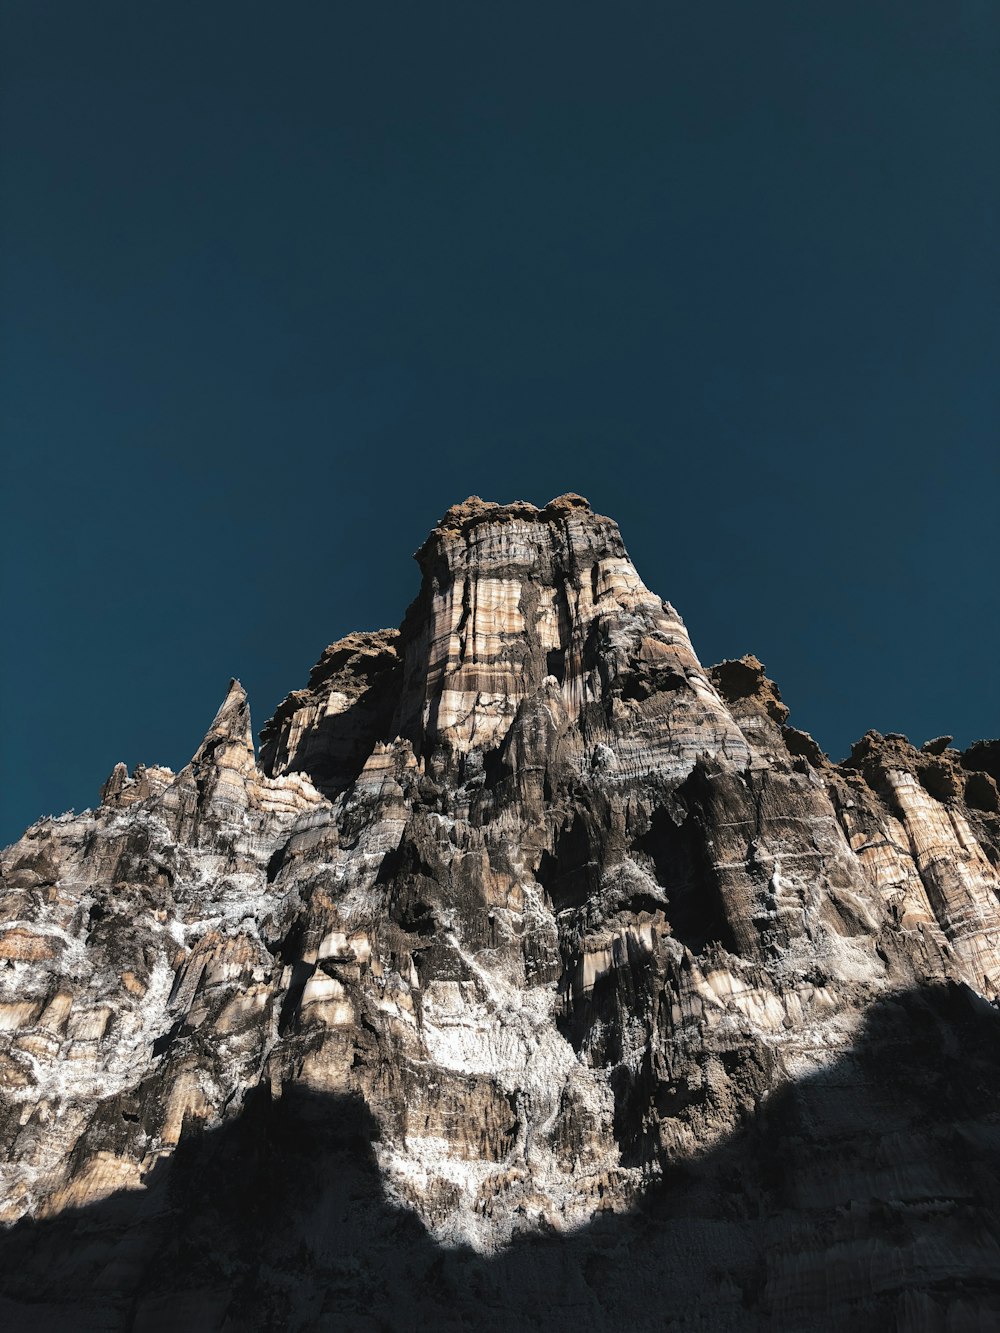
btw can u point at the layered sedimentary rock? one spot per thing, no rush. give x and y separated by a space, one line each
525 944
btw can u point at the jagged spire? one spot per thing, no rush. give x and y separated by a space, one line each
230 728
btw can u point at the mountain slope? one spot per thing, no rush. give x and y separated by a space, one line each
561 912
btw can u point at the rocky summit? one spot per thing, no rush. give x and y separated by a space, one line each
531 975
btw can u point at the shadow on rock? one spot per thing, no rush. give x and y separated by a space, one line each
864 1196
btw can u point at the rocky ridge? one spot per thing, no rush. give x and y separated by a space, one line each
564 912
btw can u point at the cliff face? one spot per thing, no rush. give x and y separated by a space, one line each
553 916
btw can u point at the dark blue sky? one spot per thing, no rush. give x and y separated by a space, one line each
282 282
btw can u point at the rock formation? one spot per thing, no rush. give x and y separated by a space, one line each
533 976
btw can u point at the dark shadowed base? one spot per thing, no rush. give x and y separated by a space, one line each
866 1197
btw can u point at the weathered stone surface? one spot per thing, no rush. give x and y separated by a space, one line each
328 729
527 945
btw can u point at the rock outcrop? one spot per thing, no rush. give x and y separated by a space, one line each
526 941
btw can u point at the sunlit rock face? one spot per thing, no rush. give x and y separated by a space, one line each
564 912
517 600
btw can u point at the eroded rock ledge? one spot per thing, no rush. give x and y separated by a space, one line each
562 911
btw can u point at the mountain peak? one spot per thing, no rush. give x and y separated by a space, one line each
231 724
530 912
